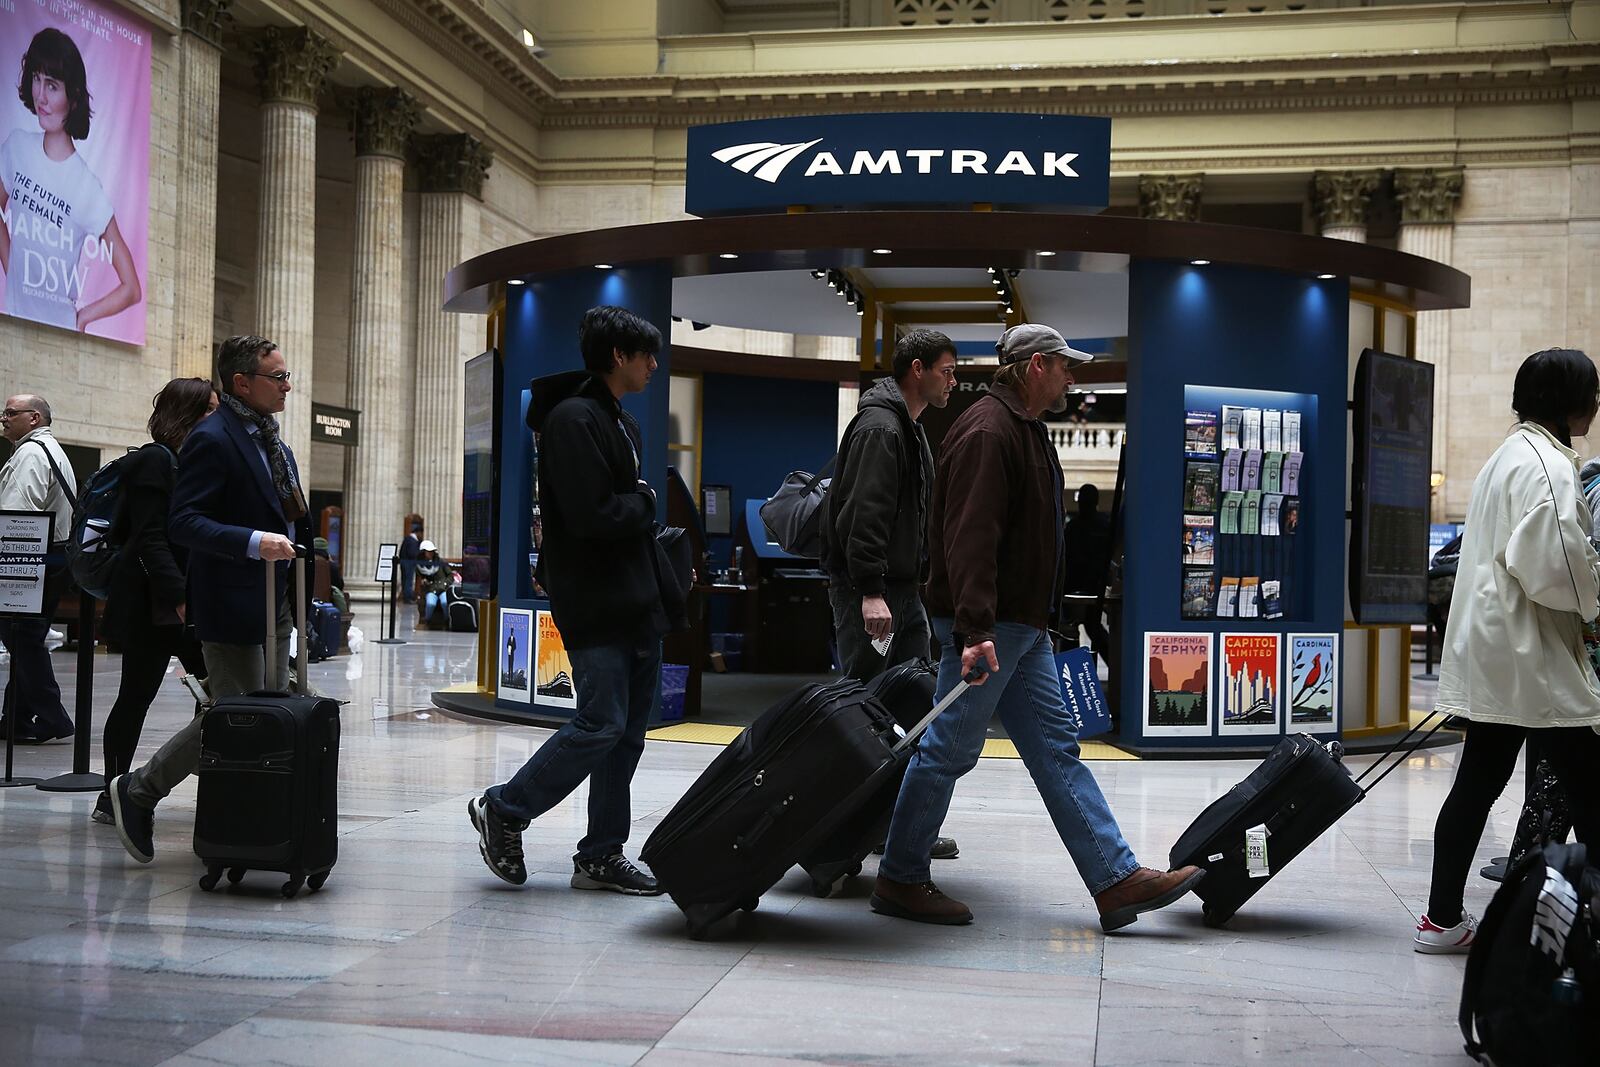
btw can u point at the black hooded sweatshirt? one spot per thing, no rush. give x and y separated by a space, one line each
874 528
598 558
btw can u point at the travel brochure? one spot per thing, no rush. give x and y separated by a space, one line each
1241 511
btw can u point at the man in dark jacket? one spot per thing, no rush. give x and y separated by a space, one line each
599 565
237 502
874 531
995 538
1086 560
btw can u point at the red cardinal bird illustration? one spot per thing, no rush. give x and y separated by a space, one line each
1313 676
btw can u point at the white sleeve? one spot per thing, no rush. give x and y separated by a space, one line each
28 488
1551 558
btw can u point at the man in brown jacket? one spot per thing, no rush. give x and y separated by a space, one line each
995 538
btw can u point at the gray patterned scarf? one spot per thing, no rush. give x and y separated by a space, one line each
283 479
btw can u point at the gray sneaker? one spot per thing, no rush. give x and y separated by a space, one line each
499 841
614 873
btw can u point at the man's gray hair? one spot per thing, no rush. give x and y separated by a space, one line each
240 355
39 404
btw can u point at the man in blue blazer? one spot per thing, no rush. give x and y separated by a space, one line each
237 502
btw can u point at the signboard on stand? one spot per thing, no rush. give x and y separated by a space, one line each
384 572
24 540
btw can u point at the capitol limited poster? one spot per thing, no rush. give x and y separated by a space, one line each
552 684
1248 684
1177 685
516 652
75 166
1313 681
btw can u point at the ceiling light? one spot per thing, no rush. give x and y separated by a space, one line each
514 281
882 251
602 266
1199 263
1326 277
527 39
727 255
1046 253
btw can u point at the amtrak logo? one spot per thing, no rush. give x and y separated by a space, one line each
771 158
767 161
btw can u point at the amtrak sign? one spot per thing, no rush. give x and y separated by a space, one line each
917 159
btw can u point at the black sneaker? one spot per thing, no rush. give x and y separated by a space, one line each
499 841
102 811
945 848
135 825
614 873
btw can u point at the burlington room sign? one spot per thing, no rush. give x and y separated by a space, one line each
899 160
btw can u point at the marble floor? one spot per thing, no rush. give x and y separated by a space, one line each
414 953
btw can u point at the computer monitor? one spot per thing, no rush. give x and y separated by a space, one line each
716 510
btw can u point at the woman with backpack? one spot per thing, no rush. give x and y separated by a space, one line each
145 610
1514 660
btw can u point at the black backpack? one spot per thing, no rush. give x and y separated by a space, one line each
1532 990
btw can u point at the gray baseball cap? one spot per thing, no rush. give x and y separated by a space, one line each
1022 341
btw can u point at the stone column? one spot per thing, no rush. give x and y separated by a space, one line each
1340 202
1174 197
380 373
1427 228
291 67
195 271
451 168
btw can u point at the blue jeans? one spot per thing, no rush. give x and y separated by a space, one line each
1027 694
433 602
618 687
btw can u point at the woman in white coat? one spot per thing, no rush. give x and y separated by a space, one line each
1514 661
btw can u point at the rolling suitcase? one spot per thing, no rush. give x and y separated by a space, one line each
325 631
461 616
269 769
906 691
767 799
1255 829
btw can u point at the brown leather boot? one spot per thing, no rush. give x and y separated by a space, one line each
1143 890
922 902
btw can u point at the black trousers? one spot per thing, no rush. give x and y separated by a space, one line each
32 693
1488 761
145 656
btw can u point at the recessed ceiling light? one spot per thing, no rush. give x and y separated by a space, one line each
882 251
514 281
1046 253
728 255
602 266
1199 263
1326 277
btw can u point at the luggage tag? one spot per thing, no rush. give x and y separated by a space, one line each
880 645
1255 852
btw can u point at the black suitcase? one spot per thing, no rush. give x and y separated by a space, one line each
461 617
1296 793
781 787
269 770
906 691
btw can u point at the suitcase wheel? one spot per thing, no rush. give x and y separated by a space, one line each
823 887
291 887
235 875
1213 918
315 882
208 881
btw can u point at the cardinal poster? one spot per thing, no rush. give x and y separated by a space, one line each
1314 681
1249 683
75 165
553 670
1177 685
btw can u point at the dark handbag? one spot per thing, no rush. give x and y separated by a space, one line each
674 559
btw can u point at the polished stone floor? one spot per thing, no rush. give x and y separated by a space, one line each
415 954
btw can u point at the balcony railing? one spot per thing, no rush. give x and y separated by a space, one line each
1087 443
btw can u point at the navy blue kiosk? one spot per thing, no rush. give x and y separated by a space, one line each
1242 608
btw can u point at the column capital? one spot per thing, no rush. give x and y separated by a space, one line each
292 63
1428 195
206 19
453 163
1340 198
381 120
1174 197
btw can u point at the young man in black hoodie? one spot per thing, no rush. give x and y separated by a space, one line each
875 528
599 567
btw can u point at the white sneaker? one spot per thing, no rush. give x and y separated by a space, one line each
1440 941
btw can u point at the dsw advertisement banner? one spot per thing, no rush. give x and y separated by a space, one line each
74 166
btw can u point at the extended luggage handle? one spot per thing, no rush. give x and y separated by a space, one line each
269 675
1398 745
949 698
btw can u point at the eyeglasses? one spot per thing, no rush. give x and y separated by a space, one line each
12 413
282 377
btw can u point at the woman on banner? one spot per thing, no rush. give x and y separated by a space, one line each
55 218
1514 661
